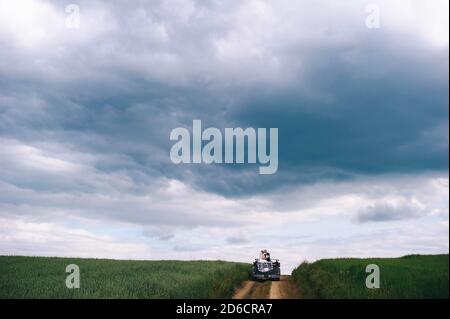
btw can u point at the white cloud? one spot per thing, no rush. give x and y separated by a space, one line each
238 42
22 236
387 209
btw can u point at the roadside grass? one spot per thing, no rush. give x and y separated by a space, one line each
44 277
412 276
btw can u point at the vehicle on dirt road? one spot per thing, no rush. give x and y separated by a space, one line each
266 269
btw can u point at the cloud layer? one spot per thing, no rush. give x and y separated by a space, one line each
86 113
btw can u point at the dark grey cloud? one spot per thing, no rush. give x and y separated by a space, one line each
347 100
85 118
359 104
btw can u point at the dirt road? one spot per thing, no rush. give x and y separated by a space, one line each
283 289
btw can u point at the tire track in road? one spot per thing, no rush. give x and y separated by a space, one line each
286 288
244 290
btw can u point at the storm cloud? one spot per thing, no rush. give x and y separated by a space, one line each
86 114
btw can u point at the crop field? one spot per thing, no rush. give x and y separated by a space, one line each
45 277
414 276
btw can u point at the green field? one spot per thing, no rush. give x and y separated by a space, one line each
414 276
42 277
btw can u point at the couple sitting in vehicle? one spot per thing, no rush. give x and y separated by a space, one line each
264 255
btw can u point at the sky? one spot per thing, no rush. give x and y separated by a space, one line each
90 91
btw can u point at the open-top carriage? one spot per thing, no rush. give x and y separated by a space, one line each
266 269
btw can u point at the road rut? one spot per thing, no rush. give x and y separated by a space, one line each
283 289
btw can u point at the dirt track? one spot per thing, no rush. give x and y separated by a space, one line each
283 289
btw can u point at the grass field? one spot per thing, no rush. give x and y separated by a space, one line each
414 276
42 277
